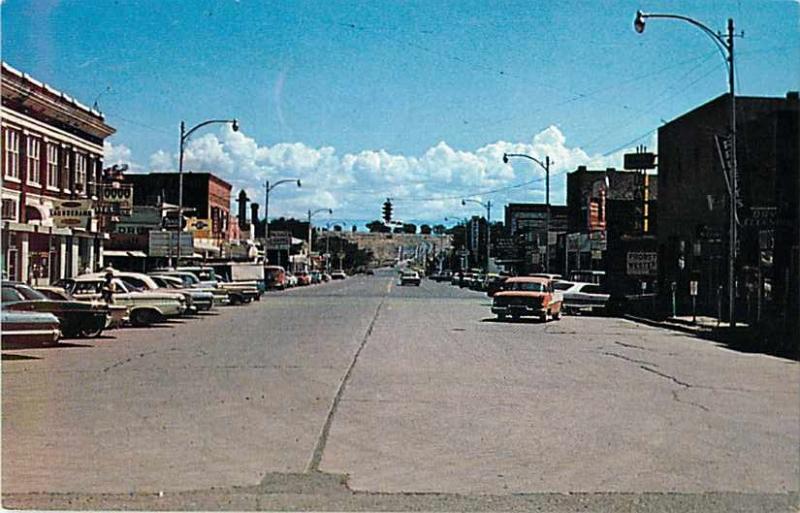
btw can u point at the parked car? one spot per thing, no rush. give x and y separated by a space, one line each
408 277
291 279
76 318
146 307
29 328
197 300
316 277
221 296
144 283
370 272
275 277
238 292
338 275
527 296
303 278
582 297
326 277
118 314
495 284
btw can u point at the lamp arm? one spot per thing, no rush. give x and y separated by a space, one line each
723 47
528 157
201 125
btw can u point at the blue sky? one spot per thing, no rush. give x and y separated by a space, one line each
413 100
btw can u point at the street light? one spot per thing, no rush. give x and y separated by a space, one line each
725 46
546 166
488 207
310 215
268 188
185 137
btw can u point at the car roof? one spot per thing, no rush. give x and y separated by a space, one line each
527 279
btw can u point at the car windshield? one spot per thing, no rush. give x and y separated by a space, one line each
29 293
11 295
562 285
525 286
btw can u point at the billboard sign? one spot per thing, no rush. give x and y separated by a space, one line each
642 263
201 228
635 161
280 241
115 199
72 213
165 244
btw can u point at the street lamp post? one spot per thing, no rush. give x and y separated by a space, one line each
185 134
268 188
488 207
310 215
725 45
546 166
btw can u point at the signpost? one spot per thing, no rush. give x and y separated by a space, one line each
693 293
642 263
165 244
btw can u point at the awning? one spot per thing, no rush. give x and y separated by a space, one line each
120 253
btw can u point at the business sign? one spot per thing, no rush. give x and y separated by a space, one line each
115 199
201 228
642 263
637 161
280 241
165 244
72 213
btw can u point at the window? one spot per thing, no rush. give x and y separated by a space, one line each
9 209
65 176
80 172
34 159
11 161
52 165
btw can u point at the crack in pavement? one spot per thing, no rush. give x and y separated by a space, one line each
322 440
120 363
628 359
667 376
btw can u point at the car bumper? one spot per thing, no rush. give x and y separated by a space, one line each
520 310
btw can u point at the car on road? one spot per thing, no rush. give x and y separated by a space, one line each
338 275
408 277
29 328
494 284
275 277
145 307
78 319
582 297
144 283
316 277
303 278
190 280
117 314
197 300
528 296
291 279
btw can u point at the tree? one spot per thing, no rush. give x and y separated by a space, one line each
355 229
425 229
337 227
377 226
409 228
439 229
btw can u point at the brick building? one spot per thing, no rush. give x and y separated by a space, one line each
206 198
52 162
694 213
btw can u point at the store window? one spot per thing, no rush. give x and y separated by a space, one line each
11 160
33 158
52 165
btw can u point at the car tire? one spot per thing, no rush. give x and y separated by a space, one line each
543 317
144 317
89 331
501 317
557 315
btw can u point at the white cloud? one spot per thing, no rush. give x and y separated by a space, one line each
116 154
356 184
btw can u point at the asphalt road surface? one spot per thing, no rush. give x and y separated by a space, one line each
364 395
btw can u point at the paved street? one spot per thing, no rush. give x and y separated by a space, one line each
404 390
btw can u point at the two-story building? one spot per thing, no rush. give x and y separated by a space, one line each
52 162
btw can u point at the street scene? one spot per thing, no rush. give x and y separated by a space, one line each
417 256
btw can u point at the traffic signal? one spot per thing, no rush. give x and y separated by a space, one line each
387 211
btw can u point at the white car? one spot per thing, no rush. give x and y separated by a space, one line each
582 297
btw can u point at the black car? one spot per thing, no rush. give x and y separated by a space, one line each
77 318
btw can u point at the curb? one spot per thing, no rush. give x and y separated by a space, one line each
667 325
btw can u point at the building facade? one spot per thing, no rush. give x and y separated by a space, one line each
527 227
694 214
52 163
206 202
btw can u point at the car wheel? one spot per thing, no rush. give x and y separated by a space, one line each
557 315
543 317
501 317
144 317
91 331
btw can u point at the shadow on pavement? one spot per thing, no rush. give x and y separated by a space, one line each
12 357
509 320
